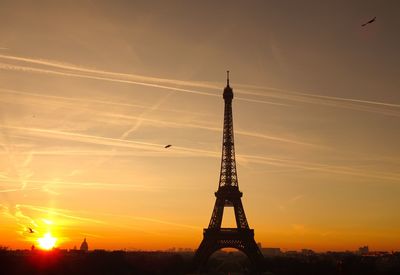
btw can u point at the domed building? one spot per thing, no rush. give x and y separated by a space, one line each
84 246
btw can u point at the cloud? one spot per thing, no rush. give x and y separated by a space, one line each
18 189
299 228
61 65
385 108
163 222
20 166
90 100
195 152
327 168
59 212
141 118
162 83
335 98
6 66
87 138
22 219
70 214
197 125
68 184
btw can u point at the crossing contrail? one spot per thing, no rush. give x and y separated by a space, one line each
149 80
157 83
195 152
380 107
6 66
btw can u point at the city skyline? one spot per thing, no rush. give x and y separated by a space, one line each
92 92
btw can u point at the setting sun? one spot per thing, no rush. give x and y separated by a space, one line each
47 242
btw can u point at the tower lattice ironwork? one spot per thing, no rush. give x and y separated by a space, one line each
228 195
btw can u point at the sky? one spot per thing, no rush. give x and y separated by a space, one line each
92 91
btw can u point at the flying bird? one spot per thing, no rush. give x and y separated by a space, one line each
31 230
369 22
167 146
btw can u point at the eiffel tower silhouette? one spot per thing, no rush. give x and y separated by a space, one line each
228 195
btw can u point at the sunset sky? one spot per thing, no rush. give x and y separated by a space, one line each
92 91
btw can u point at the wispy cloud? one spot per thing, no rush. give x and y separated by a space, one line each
140 118
72 67
163 123
106 141
6 66
313 95
300 229
90 100
88 138
384 108
44 185
82 216
3 176
60 212
164 222
162 83
22 219
283 205
20 165
197 125
18 189
327 168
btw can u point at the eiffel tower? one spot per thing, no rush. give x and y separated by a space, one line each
228 195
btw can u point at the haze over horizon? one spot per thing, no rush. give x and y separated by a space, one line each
92 91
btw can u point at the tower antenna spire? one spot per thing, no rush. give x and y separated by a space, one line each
227 78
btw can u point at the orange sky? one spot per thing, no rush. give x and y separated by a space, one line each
91 91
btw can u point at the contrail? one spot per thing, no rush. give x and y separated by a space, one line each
333 102
86 185
337 102
20 218
68 214
140 118
216 129
142 78
98 153
45 71
323 167
58 212
160 122
72 67
204 153
18 189
90 100
316 95
176 89
89 138
162 222
153 220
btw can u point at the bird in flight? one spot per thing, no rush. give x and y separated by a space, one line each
167 146
31 230
369 22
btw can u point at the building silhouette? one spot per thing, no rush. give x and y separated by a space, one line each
84 246
271 251
363 250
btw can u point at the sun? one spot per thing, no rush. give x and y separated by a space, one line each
47 242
